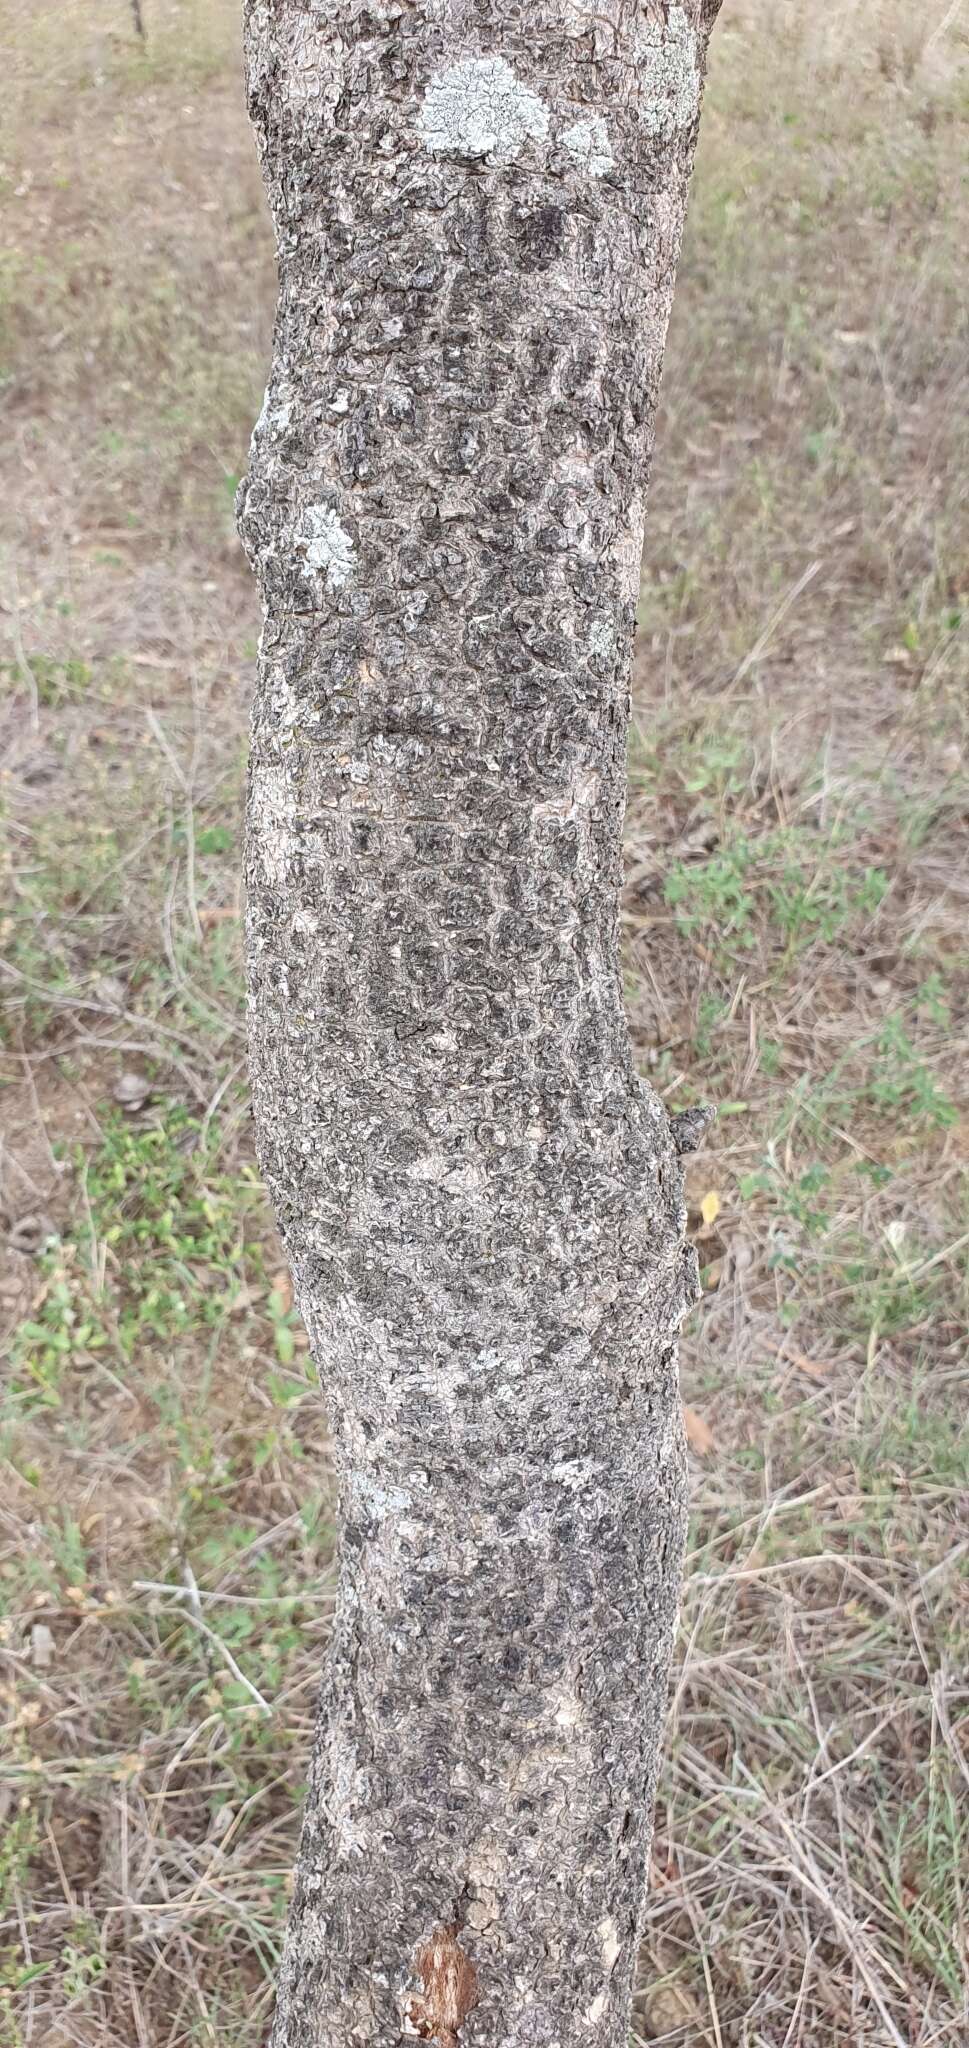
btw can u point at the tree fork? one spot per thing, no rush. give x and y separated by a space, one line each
478 210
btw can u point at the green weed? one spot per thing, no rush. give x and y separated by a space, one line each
783 888
57 682
901 1082
926 1852
170 1229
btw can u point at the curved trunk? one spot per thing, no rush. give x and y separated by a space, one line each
478 211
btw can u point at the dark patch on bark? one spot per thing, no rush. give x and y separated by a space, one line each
540 233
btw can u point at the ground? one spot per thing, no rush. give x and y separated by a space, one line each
798 894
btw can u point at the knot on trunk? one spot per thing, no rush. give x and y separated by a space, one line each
689 1128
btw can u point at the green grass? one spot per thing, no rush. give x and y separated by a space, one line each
786 880
161 1251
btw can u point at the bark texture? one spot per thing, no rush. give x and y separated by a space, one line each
478 207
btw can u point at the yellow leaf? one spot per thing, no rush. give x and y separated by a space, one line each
710 1206
699 1435
282 1288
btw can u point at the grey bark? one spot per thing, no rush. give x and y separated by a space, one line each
478 208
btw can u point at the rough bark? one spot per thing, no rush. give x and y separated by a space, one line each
478 207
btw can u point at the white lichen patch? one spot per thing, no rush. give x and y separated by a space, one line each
588 143
479 108
377 1499
611 1944
285 707
272 416
602 638
326 545
670 1446
346 1794
670 75
576 1473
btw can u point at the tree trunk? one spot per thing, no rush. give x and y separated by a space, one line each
478 209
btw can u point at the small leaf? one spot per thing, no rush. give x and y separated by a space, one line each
815 1368
710 1206
214 839
245 1298
31 1974
282 1287
699 1435
285 1345
284 1392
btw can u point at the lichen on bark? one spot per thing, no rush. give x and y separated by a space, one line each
481 1201
479 108
588 143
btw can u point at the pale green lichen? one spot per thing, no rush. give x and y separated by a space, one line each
271 416
588 142
326 545
602 638
479 108
670 94
370 1494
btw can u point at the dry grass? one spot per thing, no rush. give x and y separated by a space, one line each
795 921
